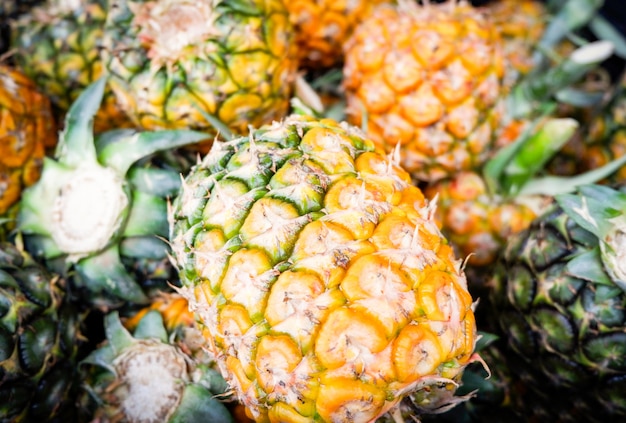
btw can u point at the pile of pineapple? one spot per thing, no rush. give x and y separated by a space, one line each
312 211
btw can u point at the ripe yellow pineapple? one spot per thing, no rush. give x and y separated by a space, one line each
327 290
189 63
26 129
521 23
323 26
476 221
427 77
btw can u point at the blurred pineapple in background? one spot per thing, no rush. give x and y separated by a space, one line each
26 131
521 24
323 26
217 65
427 78
57 45
42 339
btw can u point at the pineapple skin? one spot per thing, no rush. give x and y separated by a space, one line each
239 67
565 335
427 78
283 241
477 223
41 342
323 26
26 130
521 23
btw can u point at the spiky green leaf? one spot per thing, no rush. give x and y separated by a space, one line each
118 336
604 30
587 212
555 185
532 155
144 247
572 15
532 91
588 266
121 152
161 182
148 216
102 356
151 326
76 144
199 405
105 272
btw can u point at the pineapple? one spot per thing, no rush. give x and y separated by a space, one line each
326 288
146 377
431 78
323 26
427 77
200 64
26 130
479 212
40 341
10 9
521 23
560 297
56 44
98 202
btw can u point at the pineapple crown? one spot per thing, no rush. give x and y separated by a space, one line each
600 210
92 202
174 391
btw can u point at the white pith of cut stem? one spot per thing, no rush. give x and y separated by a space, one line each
152 376
88 210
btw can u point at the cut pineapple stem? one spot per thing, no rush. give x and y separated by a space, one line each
88 210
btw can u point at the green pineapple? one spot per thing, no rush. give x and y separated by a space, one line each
560 296
40 341
57 44
146 377
99 207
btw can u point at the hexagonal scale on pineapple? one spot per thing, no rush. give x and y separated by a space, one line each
297 303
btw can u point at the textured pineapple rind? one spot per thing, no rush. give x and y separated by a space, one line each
240 70
566 331
40 341
429 78
317 268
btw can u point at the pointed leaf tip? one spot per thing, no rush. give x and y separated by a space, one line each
88 102
76 145
116 333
